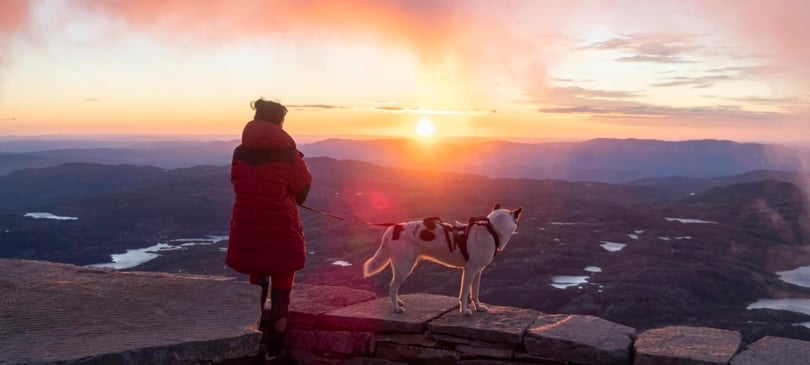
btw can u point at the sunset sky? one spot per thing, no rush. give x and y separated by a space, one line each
520 70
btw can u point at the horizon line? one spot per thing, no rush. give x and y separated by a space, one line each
311 138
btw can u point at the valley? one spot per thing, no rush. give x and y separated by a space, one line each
634 254
645 253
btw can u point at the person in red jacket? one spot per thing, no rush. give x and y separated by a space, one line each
270 179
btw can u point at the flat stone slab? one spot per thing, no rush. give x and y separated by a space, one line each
416 354
378 316
499 324
66 314
686 345
774 351
579 339
307 302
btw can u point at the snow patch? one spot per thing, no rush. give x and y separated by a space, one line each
612 246
565 281
690 220
135 257
45 215
799 276
791 305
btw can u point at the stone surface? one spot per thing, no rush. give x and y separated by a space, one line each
485 351
524 356
56 313
509 362
416 354
406 339
345 343
300 339
475 347
307 357
377 315
774 351
500 324
68 314
307 302
579 339
686 345
449 340
371 361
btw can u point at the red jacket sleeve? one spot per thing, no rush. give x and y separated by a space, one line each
301 178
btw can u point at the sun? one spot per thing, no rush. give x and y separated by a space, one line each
425 127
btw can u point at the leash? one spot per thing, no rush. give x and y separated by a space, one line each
345 219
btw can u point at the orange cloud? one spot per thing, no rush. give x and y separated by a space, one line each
460 41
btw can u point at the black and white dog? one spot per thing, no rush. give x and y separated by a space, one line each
470 247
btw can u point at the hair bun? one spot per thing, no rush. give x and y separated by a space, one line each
257 103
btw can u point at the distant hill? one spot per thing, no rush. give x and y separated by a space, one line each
771 192
599 160
163 154
36 144
776 208
679 187
605 160
31 188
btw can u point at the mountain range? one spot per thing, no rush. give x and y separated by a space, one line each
650 252
601 160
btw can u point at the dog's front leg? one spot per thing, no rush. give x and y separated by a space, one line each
464 294
476 285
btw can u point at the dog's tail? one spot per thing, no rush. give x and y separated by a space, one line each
381 258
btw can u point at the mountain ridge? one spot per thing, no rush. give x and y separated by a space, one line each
665 271
601 160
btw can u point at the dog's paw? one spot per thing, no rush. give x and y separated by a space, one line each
401 302
481 308
399 309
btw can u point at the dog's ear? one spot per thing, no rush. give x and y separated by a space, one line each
516 213
497 206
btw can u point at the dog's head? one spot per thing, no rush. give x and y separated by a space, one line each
514 213
504 221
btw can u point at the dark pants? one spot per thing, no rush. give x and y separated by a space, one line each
272 326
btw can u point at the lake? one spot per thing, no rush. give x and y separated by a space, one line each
137 256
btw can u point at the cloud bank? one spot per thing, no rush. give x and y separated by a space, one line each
479 46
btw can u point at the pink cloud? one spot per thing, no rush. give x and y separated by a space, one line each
657 48
423 24
492 31
466 39
469 38
777 28
13 15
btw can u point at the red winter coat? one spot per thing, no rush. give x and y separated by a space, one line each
269 177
